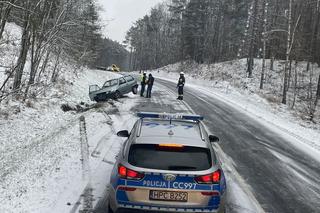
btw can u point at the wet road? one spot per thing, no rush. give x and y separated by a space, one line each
282 178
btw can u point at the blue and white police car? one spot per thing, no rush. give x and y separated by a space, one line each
167 164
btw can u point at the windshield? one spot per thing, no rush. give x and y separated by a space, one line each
111 83
182 159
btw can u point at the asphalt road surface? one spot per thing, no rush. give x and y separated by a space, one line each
282 178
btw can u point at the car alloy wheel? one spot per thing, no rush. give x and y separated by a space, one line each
117 95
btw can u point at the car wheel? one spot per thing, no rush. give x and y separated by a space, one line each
223 210
117 95
96 99
109 209
135 90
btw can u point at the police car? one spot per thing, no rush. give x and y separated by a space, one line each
167 164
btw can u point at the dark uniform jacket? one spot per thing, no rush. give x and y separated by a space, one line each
150 81
181 81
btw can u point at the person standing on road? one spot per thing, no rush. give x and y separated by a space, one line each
150 85
143 83
180 85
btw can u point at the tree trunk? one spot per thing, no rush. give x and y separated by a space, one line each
25 44
33 58
252 39
290 75
315 40
44 65
295 85
4 19
55 69
286 69
265 12
316 100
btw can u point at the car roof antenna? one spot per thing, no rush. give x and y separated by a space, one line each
170 133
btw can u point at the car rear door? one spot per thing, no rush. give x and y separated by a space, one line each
130 83
122 85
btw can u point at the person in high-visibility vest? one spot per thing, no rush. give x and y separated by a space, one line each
143 83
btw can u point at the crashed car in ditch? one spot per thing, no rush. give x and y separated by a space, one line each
114 88
167 164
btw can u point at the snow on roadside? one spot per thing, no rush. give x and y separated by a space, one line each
40 148
304 135
104 145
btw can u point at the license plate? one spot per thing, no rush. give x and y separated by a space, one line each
168 196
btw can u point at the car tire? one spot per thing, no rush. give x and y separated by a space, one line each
223 210
109 209
135 90
117 95
101 97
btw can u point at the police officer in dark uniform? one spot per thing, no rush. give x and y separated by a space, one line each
150 85
143 83
180 85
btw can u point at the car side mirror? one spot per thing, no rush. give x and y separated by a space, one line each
213 139
123 133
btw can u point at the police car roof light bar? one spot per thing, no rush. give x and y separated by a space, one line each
168 116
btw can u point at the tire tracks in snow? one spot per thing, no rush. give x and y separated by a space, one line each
102 149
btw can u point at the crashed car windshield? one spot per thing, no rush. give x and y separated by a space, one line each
111 83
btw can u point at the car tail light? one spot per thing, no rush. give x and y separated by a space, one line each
213 193
127 189
210 178
126 173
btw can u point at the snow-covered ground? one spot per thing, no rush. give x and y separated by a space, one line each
40 146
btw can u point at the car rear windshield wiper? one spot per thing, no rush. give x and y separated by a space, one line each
181 168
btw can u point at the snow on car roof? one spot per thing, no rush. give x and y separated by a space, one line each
176 132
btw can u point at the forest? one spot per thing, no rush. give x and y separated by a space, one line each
53 33
208 32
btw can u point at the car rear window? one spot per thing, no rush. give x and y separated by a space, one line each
181 159
111 83
129 78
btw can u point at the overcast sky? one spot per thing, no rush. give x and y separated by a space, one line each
119 15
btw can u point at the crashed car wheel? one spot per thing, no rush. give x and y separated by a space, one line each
117 95
101 97
135 90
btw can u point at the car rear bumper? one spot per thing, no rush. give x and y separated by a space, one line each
163 209
119 206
